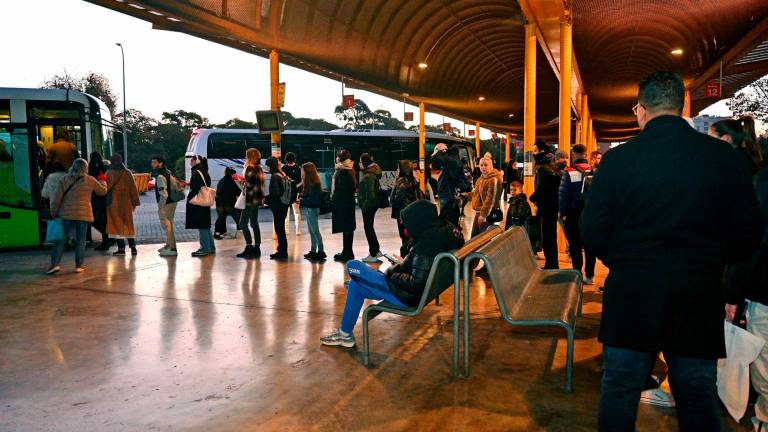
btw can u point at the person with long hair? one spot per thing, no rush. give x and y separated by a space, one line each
72 203
277 185
98 170
199 217
253 187
311 198
406 191
740 133
343 188
123 200
545 196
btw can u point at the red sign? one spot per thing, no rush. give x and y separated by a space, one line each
471 132
712 89
447 127
408 116
348 101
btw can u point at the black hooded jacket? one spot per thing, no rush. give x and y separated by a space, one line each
408 279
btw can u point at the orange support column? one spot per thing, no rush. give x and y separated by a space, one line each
687 104
507 148
584 118
274 81
422 142
529 121
477 140
580 122
566 74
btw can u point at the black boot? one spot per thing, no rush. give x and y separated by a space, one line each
246 253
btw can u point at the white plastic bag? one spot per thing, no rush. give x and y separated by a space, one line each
742 348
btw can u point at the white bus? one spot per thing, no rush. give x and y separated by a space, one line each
29 122
226 148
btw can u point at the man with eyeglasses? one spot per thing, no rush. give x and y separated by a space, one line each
666 239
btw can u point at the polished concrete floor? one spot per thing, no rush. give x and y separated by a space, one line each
221 344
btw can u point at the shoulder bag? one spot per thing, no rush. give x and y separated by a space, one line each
206 196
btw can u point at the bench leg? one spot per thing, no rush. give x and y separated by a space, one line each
365 340
437 301
581 302
569 360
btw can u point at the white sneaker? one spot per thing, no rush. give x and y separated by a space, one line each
163 248
758 425
370 259
589 281
657 397
79 269
168 252
53 269
379 255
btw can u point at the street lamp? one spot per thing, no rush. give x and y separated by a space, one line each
125 112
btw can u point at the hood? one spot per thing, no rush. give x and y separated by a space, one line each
348 164
494 174
373 169
581 165
418 217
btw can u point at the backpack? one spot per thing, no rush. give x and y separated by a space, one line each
175 192
586 182
464 184
287 195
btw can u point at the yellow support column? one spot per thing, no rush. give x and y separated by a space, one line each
590 133
274 81
584 118
529 120
566 74
422 142
687 104
477 139
580 122
507 147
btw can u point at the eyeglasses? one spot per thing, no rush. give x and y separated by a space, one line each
636 107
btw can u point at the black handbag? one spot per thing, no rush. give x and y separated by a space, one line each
496 215
325 203
383 197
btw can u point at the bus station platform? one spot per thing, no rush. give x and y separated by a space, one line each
219 343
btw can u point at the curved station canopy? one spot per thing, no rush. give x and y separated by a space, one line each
450 54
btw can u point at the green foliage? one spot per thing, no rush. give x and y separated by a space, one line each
94 84
360 116
437 129
178 168
753 100
186 119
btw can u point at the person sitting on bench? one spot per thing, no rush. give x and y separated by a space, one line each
403 284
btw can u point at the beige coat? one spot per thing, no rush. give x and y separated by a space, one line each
483 198
76 204
123 198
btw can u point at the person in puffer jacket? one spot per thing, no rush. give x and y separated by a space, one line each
571 202
404 283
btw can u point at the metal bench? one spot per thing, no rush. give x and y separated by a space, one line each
526 295
444 273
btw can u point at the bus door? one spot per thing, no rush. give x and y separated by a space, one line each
19 223
48 118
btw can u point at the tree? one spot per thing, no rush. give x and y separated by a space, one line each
752 100
237 123
357 117
437 129
141 137
382 119
304 123
94 84
186 119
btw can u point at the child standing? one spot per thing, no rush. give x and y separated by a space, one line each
519 210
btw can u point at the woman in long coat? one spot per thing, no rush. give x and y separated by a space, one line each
199 217
343 203
122 199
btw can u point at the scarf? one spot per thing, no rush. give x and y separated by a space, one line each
348 164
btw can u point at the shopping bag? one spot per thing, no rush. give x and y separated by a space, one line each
742 348
240 203
55 231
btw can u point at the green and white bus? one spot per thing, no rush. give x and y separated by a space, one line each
29 121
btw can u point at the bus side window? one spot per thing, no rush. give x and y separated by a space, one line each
259 142
15 175
226 146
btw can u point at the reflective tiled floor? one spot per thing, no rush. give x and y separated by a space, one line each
221 344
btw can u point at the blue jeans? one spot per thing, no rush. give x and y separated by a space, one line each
206 240
314 229
80 228
693 382
366 283
250 216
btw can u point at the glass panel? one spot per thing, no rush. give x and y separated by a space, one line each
5 110
226 146
15 179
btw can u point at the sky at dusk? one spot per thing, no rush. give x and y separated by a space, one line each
166 70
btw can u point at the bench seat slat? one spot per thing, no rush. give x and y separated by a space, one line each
548 297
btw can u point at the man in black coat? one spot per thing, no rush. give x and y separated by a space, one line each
666 239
